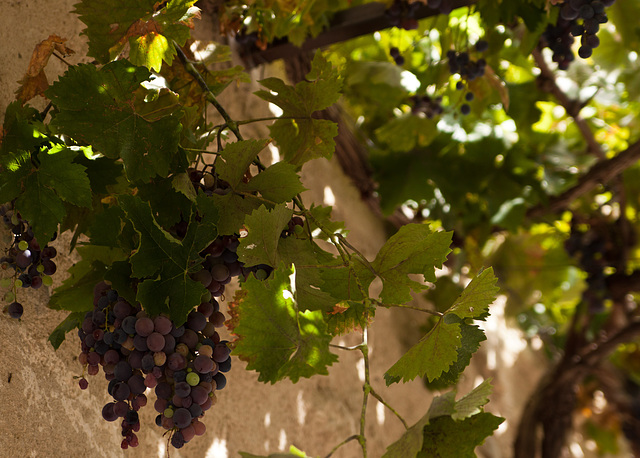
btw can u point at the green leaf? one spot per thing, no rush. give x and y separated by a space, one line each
232 210
430 357
181 183
148 29
471 403
294 452
76 291
119 274
20 131
69 180
464 418
41 206
236 158
303 138
414 249
447 438
15 167
348 316
274 337
71 322
167 260
264 227
278 183
106 227
472 336
407 132
311 292
477 296
97 107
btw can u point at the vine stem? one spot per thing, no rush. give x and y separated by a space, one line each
193 71
384 403
364 349
412 307
347 440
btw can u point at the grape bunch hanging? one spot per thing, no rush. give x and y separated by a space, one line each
577 18
184 364
32 263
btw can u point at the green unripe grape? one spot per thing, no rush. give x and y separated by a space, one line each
47 280
23 245
261 274
298 230
193 379
18 283
189 369
40 268
9 296
206 297
14 219
5 283
168 412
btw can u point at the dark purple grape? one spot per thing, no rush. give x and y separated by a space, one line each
162 324
144 326
108 412
155 342
49 267
196 321
465 109
177 440
121 391
182 389
182 417
221 380
15 310
122 371
203 363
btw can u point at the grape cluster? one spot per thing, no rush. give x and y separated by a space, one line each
401 14
32 263
461 63
185 364
396 56
578 18
430 106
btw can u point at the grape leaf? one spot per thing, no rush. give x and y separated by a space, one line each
232 209
294 452
446 438
76 291
167 260
407 132
265 227
414 249
20 130
433 355
147 28
277 183
472 336
97 107
41 206
348 316
477 296
119 274
15 168
106 226
304 138
311 292
71 322
274 337
424 438
69 180
236 158
182 184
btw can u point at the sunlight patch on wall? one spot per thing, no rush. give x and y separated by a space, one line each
329 198
162 449
302 408
218 449
360 369
282 440
380 413
267 419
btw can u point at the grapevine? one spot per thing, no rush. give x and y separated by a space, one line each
176 222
